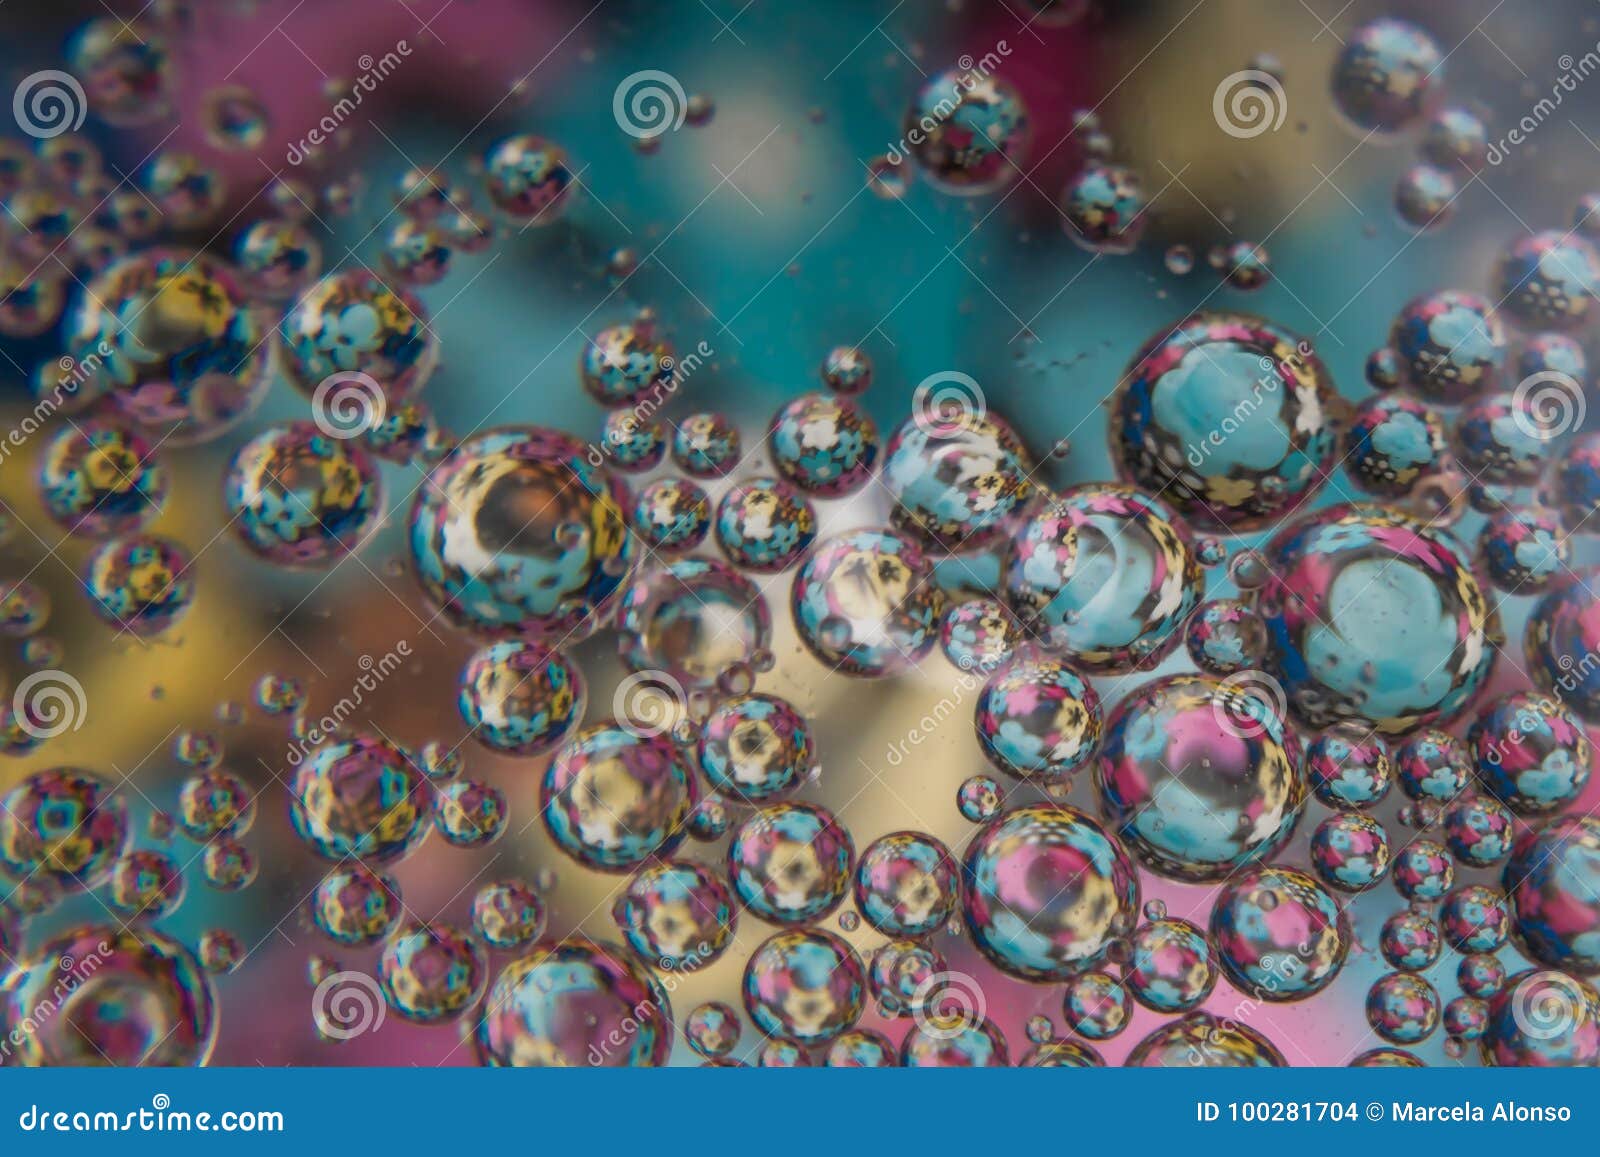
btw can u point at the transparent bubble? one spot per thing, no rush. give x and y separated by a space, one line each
1531 753
791 863
1405 651
484 540
611 797
626 363
521 698
361 797
957 476
968 131
1549 280
1349 766
63 828
712 1029
1423 870
1226 636
690 620
805 986
632 444
1387 78
1433 765
1350 852
1478 831
1391 443
415 254
145 1001
221 951
297 497
980 799
146 885
1403 1008
1424 197
508 914
765 525
1411 940
1451 345
529 179
1279 934
978 634
235 118
906 884
1543 1018
1481 974
1102 208
960 1040
826 444
1170 966
431 974
1551 881
469 814
1456 140
706 445
757 747
1476 918
1048 889
1201 1039
190 192
1200 779
140 584
1106 576
1038 719
847 370
355 905
168 338
228 865
677 914
353 323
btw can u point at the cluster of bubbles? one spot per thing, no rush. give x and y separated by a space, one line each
1347 654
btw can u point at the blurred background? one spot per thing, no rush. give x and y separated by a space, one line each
759 233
